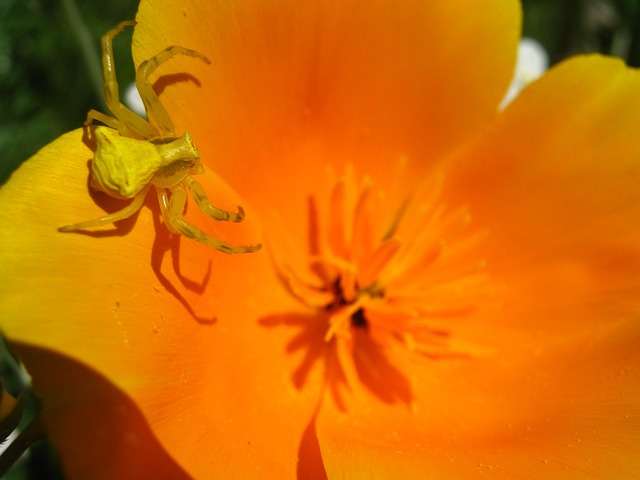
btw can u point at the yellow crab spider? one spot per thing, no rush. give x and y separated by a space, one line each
133 154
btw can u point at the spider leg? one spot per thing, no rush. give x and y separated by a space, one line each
199 195
126 212
107 120
172 210
150 98
129 118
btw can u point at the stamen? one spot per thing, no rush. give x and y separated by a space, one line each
362 234
336 234
373 266
307 294
400 285
340 321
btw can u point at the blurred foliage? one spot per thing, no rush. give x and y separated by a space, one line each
50 77
46 86
569 27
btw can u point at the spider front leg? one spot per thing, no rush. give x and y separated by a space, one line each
203 202
127 120
106 119
150 98
126 212
172 211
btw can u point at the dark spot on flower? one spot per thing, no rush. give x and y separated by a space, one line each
339 300
358 320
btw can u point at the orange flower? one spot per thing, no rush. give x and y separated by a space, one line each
444 292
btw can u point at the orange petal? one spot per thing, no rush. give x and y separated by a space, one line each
294 86
570 412
212 383
556 184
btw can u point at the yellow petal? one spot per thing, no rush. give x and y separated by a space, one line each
167 321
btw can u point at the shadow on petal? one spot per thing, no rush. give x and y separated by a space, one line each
308 340
310 464
376 372
98 431
167 80
372 367
164 242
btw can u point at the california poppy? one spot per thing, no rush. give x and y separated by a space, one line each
445 291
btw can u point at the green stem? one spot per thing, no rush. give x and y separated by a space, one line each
89 52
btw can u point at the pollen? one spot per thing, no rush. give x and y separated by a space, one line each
401 273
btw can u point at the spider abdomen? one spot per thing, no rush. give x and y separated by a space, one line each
122 166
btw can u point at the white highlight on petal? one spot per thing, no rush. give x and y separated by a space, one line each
133 101
532 62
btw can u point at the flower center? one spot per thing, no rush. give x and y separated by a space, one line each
342 303
399 272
